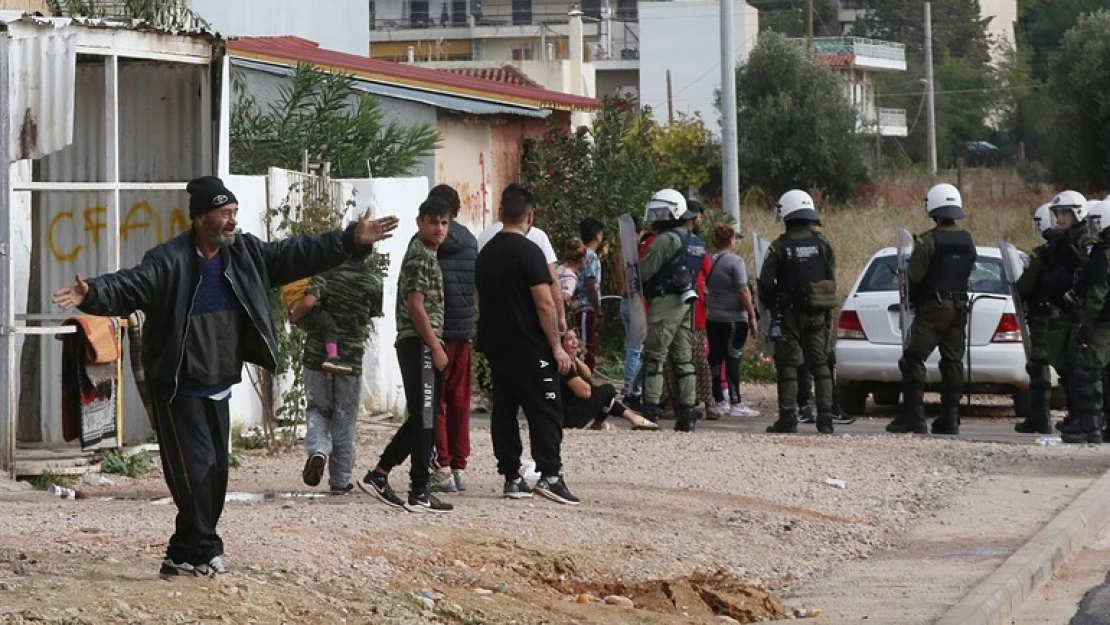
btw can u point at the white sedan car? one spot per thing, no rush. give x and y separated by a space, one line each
869 338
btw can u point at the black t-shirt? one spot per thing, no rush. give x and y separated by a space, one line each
507 269
572 404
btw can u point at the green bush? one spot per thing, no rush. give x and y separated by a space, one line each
116 462
49 478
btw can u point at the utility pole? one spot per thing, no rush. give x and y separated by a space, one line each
730 166
930 109
670 100
809 26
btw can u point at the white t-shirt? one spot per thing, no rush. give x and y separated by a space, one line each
535 235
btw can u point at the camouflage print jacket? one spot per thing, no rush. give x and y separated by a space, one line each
350 293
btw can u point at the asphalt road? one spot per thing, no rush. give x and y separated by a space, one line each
1095 607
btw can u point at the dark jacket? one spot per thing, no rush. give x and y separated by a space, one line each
164 283
457 255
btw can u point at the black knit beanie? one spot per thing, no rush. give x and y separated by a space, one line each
208 193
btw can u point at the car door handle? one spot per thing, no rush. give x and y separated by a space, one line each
894 308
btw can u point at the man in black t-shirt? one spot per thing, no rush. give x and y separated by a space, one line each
518 332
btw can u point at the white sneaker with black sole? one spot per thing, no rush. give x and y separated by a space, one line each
555 489
425 502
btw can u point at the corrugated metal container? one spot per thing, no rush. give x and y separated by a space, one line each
40 93
161 140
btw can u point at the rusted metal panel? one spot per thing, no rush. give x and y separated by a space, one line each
41 93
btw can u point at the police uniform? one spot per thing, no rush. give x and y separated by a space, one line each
1090 353
797 283
1051 274
669 269
937 276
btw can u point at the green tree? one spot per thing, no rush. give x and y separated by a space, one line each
323 113
796 127
1041 25
959 30
788 17
1080 73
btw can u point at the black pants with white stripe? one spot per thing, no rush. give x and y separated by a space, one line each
192 441
529 382
416 437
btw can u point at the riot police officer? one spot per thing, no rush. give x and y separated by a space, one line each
1052 271
669 269
1090 353
937 276
798 285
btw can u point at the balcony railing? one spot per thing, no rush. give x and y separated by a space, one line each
891 121
857 46
490 16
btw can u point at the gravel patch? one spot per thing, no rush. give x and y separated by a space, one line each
656 506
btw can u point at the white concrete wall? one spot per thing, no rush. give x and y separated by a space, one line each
342 25
382 390
684 37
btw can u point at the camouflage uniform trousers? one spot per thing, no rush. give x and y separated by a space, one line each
702 373
331 415
805 342
936 325
670 337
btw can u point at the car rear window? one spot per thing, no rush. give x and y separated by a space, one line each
882 275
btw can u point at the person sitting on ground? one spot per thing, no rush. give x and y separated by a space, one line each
574 259
588 405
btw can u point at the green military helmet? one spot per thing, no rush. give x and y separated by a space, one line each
944 202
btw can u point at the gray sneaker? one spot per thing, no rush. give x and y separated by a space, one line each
215 567
171 569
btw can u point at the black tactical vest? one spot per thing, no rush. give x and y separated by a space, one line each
689 258
802 262
949 267
1062 261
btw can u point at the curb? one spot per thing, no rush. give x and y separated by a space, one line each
1001 594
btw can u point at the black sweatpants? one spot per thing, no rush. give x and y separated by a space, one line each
529 382
192 441
726 345
416 437
601 404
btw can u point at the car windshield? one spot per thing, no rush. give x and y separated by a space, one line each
882 275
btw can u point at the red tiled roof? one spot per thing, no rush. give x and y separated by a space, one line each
506 74
836 60
293 50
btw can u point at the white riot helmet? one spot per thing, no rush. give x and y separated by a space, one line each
944 202
667 205
1098 217
1072 201
796 204
1043 219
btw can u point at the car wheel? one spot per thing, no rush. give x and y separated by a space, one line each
887 397
1023 403
1059 398
852 399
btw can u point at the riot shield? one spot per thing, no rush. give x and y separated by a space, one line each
630 252
1012 268
903 243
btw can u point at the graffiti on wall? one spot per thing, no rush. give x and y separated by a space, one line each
63 233
475 198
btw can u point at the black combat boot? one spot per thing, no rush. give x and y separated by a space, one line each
825 423
685 419
1039 421
949 420
787 423
652 412
1086 408
912 418
1082 429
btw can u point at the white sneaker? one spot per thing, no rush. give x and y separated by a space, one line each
722 408
743 410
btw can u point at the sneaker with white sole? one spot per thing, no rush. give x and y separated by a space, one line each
555 489
171 569
460 479
742 409
425 502
722 407
806 415
443 481
313 470
214 568
516 488
377 484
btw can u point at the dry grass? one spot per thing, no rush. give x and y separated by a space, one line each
998 204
